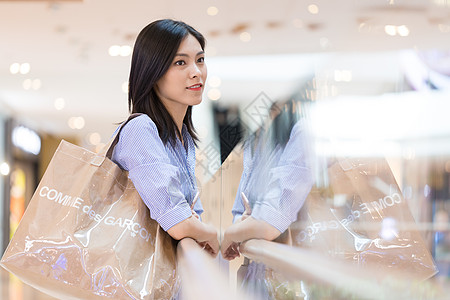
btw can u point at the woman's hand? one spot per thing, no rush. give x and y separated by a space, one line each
207 247
204 234
230 243
248 210
192 206
211 244
195 215
246 229
230 249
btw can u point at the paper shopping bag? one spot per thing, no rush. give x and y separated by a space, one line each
361 216
87 234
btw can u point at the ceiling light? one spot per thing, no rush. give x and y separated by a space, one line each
117 50
214 81
25 68
390 30
27 84
94 138
26 139
60 103
114 50
14 68
76 122
245 36
346 75
125 50
212 11
313 9
4 169
71 122
403 30
214 94
79 123
36 84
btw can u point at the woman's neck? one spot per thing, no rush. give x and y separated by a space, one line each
177 112
180 129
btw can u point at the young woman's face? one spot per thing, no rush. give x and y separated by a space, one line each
184 81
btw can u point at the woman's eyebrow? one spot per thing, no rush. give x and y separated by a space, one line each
187 55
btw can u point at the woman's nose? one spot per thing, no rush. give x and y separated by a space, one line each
195 71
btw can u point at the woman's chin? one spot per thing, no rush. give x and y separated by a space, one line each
196 101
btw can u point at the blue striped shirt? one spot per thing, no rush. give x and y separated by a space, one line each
276 180
163 175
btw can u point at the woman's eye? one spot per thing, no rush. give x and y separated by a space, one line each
201 59
180 63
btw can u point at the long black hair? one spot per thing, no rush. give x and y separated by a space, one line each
154 50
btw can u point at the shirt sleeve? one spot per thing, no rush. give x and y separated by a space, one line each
238 206
289 185
141 152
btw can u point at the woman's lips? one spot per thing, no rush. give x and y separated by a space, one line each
195 87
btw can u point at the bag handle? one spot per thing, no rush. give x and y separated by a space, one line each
108 149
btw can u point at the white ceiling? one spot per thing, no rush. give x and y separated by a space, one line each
66 43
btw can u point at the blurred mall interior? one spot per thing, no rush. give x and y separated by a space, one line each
368 82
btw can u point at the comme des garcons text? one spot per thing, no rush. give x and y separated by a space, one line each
58 197
310 231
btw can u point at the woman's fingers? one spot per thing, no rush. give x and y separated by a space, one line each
245 216
194 201
195 214
231 252
248 209
208 248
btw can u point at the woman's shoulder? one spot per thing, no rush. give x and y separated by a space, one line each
139 123
139 144
141 130
141 119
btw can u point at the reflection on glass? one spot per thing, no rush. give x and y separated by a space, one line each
277 175
346 208
276 180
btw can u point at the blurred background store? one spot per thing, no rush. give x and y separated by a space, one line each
376 74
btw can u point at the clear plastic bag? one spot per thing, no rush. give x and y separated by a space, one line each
87 234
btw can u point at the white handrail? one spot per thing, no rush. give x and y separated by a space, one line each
201 278
370 283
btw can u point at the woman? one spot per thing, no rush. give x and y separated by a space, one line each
157 148
275 182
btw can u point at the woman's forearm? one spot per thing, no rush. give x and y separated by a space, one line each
243 230
193 228
251 228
